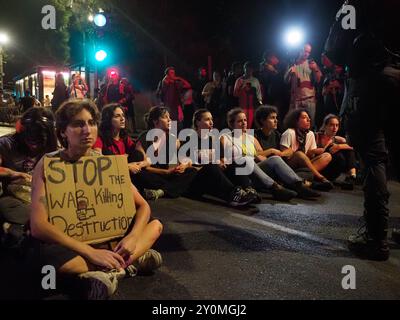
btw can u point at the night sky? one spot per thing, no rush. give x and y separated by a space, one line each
146 35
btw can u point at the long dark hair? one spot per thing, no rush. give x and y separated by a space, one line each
292 118
197 116
106 128
154 114
327 119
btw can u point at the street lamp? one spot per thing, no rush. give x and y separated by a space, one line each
4 39
294 37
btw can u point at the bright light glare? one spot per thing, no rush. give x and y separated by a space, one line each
49 73
100 20
294 37
100 55
4 38
65 75
90 17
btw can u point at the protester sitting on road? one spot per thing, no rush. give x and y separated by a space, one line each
343 155
171 177
19 153
76 123
211 178
243 149
268 138
301 140
181 178
113 140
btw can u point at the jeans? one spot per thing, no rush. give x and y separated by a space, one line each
247 167
372 116
275 167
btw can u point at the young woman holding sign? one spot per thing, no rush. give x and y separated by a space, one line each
76 122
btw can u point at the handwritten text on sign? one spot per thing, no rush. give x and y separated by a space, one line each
90 199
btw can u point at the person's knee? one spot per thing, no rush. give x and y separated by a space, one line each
327 157
157 227
300 155
274 159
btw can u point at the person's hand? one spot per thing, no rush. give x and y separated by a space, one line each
134 168
335 148
126 248
170 170
180 168
106 258
222 165
319 151
274 152
21 178
293 70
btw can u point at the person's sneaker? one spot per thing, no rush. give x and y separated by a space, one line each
322 185
240 197
6 227
101 285
364 246
304 192
152 194
282 194
146 264
396 235
348 183
253 192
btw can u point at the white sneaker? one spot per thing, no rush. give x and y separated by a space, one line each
147 263
102 285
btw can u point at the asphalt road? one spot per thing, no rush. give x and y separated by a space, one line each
273 250
284 251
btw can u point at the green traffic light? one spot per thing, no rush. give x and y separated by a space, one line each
100 55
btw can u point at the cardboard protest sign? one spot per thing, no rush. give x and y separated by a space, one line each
90 200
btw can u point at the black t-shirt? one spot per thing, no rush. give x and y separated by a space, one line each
268 142
113 94
13 157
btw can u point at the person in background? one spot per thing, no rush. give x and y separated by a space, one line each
170 90
248 90
46 101
303 76
78 89
60 93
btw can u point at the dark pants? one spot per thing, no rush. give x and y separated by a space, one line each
211 180
342 162
372 118
174 185
238 180
16 213
13 210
